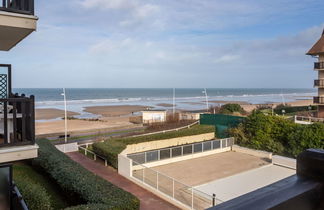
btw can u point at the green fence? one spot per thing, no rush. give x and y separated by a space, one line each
222 122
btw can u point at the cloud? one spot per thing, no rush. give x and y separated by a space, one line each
108 4
227 58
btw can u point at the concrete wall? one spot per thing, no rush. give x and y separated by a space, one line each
284 161
11 154
257 153
152 145
124 166
71 147
153 116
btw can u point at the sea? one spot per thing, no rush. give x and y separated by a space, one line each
185 98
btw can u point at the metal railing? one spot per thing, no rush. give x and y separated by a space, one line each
318 100
18 6
177 151
95 156
17 201
319 65
319 83
17 121
175 190
309 119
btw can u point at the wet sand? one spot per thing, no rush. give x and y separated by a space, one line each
47 114
165 105
115 111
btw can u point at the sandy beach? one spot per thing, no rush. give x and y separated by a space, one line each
112 117
115 111
47 114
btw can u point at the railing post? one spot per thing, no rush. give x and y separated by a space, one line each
95 157
157 180
214 199
173 188
106 162
192 198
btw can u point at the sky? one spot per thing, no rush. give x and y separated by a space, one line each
169 43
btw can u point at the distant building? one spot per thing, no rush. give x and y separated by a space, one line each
154 116
190 115
318 51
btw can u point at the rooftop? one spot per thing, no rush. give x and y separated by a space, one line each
318 48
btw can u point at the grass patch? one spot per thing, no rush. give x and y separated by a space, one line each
112 147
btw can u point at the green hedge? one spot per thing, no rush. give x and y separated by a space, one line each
112 147
78 184
278 135
34 194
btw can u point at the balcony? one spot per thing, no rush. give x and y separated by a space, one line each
319 83
319 65
17 21
18 6
17 122
318 100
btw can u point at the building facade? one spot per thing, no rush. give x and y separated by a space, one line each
17 112
318 51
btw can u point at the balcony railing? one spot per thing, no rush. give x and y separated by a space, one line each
318 100
17 121
319 83
18 6
319 65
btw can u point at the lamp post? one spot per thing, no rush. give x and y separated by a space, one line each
205 92
65 117
173 102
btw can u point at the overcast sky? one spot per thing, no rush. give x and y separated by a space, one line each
169 43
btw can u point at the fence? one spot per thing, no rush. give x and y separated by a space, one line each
188 149
175 190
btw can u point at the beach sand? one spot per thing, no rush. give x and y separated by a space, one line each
47 114
165 105
112 117
82 125
114 111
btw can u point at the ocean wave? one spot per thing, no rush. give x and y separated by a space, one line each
184 98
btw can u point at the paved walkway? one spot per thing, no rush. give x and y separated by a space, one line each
148 200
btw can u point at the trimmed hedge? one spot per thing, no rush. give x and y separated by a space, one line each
34 194
78 184
112 147
88 207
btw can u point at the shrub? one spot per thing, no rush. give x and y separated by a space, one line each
231 108
80 185
112 147
34 194
278 135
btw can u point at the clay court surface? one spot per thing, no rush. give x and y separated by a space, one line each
201 170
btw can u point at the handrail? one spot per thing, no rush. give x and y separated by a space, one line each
94 154
18 6
190 189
